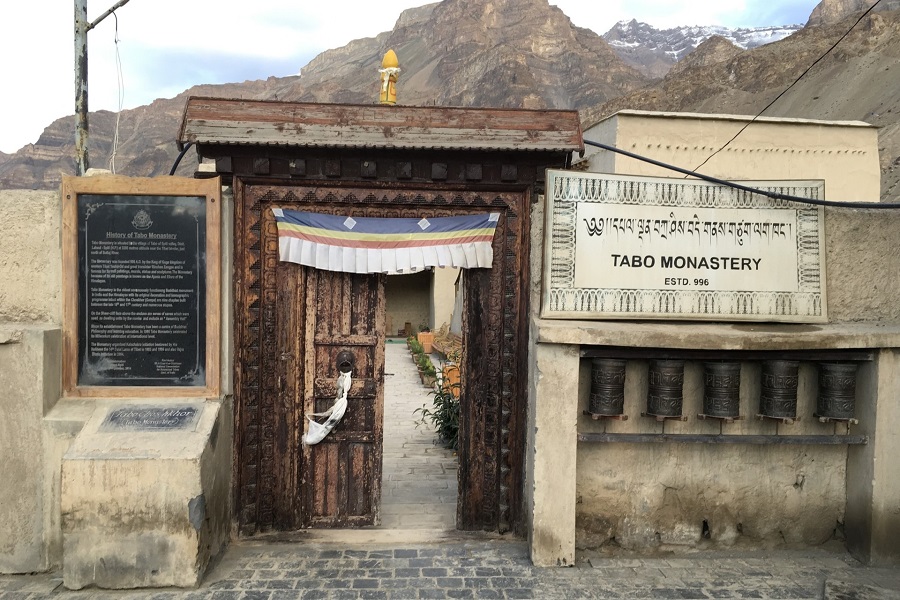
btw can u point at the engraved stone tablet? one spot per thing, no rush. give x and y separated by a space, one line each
141 290
152 418
621 246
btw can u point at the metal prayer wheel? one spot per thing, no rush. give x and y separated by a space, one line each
837 391
607 386
665 394
778 396
722 389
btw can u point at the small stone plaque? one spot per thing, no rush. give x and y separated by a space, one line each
152 418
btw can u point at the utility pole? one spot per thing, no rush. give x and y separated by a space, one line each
81 79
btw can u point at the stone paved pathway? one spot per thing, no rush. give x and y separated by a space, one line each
419 477
498 568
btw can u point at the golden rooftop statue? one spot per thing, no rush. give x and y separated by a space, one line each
390 71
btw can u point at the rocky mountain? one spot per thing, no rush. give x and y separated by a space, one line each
515 53
834 11
521 53
714 50
146 140
859 80
527 53
653 51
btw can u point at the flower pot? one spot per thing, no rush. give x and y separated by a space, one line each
427 379
450 376
426 338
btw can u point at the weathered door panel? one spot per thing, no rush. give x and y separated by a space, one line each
341 475
290 310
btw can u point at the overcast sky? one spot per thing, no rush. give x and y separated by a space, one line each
167 46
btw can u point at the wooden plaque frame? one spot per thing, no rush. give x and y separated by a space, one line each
71 188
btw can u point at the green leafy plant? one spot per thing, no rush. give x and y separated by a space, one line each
423 361
443 414
415 347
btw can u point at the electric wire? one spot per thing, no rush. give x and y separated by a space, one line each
121 98
745 188
180 156
808 69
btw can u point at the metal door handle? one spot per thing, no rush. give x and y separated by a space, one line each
345 360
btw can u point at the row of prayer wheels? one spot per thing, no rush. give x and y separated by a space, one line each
835 400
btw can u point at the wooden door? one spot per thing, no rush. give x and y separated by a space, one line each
275 479
340 477
303 318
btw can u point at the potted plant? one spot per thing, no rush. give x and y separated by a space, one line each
426 338
427 372
443 415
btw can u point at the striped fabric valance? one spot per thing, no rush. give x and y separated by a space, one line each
382 245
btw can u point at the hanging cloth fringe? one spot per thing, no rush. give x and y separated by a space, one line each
382 245
318 431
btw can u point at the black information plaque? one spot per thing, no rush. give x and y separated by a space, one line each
151 418
142 290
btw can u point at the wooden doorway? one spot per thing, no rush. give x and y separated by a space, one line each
325 319
275 372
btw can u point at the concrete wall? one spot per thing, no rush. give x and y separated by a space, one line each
424 298
660 495
39 428
407 300
862 265
443 296
873 489
30 256
30 375
30 367
842 153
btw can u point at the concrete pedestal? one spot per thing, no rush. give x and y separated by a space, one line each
872 523
145 509
30 383
552 454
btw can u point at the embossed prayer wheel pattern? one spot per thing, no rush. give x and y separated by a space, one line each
837 390
778 396
722 389
665 395
607 386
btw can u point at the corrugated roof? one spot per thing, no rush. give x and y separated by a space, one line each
296 124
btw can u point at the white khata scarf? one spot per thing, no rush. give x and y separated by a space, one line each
318 431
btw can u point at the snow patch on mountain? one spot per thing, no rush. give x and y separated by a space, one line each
677 42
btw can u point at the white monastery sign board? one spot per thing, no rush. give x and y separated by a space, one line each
627 247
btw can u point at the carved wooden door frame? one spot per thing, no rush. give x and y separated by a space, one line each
492 433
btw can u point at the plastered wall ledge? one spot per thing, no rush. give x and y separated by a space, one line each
10 335
12 332
718 336
69 416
